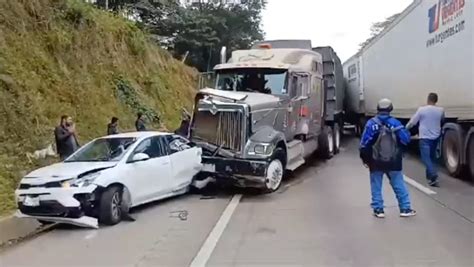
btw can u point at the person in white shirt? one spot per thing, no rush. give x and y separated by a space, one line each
430 118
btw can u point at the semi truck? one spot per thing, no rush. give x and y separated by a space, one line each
428 48
272 107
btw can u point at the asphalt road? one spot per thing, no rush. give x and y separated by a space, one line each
320 217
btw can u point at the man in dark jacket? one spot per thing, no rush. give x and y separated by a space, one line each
140 123
112 127
65 135
184 127
393 167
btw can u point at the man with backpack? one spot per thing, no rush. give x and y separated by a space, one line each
381 150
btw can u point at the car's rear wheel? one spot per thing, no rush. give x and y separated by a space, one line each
110 209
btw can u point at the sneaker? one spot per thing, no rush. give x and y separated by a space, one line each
379 213
407 213
434 183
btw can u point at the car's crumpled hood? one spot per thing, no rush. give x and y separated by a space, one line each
64 170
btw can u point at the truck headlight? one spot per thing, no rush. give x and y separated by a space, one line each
262 149
84 180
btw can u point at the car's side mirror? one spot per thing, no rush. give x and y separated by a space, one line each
140 157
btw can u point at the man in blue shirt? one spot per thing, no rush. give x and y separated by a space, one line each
393 167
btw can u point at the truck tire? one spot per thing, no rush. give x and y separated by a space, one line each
110 211
361 122
452 150
275 171
326 143
337 138
470 156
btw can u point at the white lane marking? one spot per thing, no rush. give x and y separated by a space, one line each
419 186
210 244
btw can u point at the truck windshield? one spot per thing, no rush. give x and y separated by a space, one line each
267 81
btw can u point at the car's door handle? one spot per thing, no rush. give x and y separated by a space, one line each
165 163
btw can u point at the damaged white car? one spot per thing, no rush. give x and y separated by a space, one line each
109 175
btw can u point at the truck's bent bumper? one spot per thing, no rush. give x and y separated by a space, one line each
242 172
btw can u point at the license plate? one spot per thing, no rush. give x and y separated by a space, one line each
31 201
209 168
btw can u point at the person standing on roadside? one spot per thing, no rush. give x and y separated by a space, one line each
140 123
381 150
112 127
66 139
430 118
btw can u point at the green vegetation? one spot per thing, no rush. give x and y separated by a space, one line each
67 57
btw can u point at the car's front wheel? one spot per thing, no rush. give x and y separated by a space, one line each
110 209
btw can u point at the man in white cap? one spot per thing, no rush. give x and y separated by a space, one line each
381 150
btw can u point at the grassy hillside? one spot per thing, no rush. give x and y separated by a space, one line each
66 57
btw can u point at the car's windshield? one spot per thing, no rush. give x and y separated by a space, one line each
261 80
104 149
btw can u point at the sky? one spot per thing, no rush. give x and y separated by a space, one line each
342 24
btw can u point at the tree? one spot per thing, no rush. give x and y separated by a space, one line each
201 29
378 28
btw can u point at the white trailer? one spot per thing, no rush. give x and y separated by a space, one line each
428 48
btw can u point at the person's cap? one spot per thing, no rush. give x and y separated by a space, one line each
385 105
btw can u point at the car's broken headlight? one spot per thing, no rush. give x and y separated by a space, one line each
83 181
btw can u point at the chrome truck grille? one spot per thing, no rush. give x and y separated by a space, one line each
224 129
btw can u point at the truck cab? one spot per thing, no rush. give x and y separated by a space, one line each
264 116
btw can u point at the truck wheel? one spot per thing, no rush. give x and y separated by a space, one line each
337 138
470 156
452 149
275 171
326 143
110 210
361 126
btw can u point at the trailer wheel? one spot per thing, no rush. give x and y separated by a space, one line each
452 150
361 126
337 138
470 156
326 143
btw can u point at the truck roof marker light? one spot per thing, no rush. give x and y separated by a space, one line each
265 46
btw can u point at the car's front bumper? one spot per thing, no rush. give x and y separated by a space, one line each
245 173
65 205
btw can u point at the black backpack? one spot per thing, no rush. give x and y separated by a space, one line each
385 148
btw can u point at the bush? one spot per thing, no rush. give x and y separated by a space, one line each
67 57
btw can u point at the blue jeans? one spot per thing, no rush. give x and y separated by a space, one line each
428 156
398 186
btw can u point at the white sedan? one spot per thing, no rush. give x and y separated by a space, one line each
107 176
